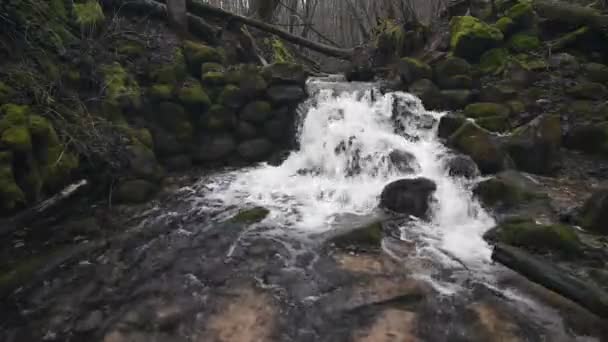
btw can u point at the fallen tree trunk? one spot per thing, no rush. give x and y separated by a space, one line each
201 9
571 14
554 278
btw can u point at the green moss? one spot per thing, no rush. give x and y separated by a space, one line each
161 92
505 25
390 36
193 95
496 123
523 42
485 109
280 52
250 216
412 69
170 73
522 14
539 238
121 88
42 131
503 192
214 78
6 93
470 37
196 54
477 143
11 196
494 62
89 14
231 97
17 138
530 62
143 136
516 107
13 115
366 236
211 66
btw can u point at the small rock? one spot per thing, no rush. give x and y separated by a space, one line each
408 196
403 161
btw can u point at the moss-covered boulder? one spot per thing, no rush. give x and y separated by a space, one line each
506 25
498 93
232 97
495 123
367 236
522 15
453 73
193 96
196 54
218 118
455 98
494 62
486 109
285 72
427 91
256 112
523 42
596 72
143 163
594 213
211 67
135 191
588 91
214 78
506 190
250 216
480 145
11 196
88 15
530 62
537 238
170 72
6 93
411 69
535 146
121 88
280 53
161 92
471 37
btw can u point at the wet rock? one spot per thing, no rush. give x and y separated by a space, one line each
255 150
135 191
366 236
411 70
408 196
506 190
286 94
535 147
427 91
90 322
456 98
390 325
256 112
450 123
480 145
403 161
250 216
594 213
462 166
245 130
215 148
285 73
559 239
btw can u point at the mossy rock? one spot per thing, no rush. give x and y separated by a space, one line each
427 91
161 92
516 106
495 123
481 146
366 236
256 112
530 62
456 82
211 67
498 93
192 95
231 97
89 15
471 37
142 136
506 190
121 88
575 39
218 118
522 14
506 25
135 191
494 62
197 54
595 72
411 70
452 66
214 78
450 123
170 73
6 93
486 109
17 139
523 42
588 91
535 146
130 48
538 238
285 72
250 216
11 195
13 115
456 98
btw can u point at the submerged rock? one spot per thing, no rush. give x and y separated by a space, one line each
364 236
471 37
408 196
403 161
462 166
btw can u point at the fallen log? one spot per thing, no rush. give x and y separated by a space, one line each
553 278
571 14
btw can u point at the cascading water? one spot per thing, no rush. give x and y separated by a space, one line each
345 140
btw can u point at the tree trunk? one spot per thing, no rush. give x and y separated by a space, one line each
554 278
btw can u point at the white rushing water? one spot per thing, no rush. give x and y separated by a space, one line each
343 163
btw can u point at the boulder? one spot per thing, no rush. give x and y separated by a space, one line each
505 25
218 118
193 96
450 123
596 72
143 163
594 213
180 162
496 123
462 167
411 70
277 129
255 150
587 137
506 190
403 161
522 14
486 109
165 143
535 146
232 97
523 42
288 94
245 130
471 37
283 72
498 93
197 54
408 196
214 148
588 91
213 78
211 67
537 238
456 98
456 82
480 145
494 61
135 191
256 112
427 91
452 66
364 236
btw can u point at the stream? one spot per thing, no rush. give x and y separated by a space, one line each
187 272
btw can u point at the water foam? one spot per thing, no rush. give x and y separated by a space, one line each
342 166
